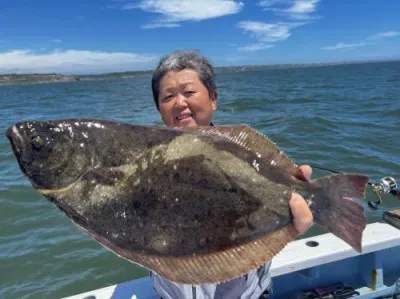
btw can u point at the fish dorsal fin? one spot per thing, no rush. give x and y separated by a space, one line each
256 142
216 267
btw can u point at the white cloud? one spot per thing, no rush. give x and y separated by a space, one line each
385 34
303 7
56 40
341 46
265 32
255 47
269 3
367 41
301 10
159 25
73 61
175 11
294 9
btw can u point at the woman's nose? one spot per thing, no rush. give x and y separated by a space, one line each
181 101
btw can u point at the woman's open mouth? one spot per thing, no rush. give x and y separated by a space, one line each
184 117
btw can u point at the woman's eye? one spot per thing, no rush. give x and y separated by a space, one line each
167 98
188 93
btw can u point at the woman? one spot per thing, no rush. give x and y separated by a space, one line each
185 94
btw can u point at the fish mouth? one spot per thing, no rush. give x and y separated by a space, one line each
18 145
16 140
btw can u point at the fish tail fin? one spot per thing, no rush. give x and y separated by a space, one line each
334 209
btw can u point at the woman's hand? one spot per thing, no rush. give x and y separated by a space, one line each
302 216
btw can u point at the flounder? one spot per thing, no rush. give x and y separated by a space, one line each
196 205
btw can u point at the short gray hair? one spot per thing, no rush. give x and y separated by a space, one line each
180 60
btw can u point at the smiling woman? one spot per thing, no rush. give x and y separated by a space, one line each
184 100
184 89
185 94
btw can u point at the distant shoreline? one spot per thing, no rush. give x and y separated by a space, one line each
7 79
11 79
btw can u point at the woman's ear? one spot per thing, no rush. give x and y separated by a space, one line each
214 96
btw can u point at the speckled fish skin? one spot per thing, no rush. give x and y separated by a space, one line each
168 192
155 189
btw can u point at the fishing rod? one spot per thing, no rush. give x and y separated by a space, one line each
386 185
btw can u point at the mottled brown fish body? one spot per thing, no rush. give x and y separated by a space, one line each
195 205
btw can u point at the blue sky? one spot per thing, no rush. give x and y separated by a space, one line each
82 36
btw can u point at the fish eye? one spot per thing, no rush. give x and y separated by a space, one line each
37 142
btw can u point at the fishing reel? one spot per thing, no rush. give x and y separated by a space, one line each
384 186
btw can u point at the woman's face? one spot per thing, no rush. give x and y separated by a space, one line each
184 101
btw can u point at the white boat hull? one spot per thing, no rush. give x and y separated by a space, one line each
308 263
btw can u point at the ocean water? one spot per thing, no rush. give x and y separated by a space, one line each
346 118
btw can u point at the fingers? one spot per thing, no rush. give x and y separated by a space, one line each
303 172
302 216
306 170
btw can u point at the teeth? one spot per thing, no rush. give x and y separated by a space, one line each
183 116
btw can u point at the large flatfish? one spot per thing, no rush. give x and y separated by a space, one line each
199 205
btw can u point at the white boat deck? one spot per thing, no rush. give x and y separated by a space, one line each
296 256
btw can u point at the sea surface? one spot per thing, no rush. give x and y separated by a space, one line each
345 118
